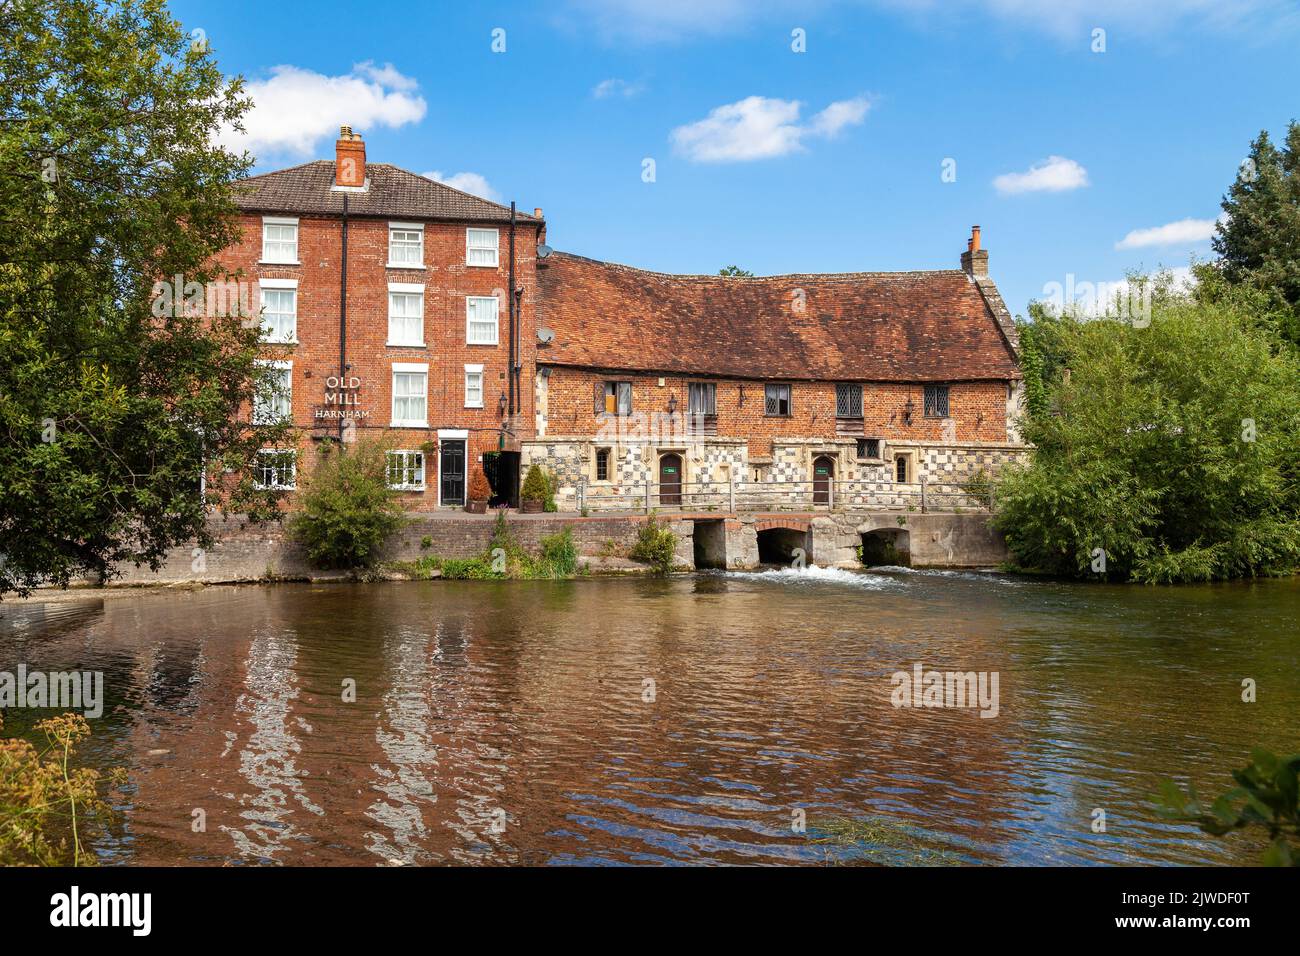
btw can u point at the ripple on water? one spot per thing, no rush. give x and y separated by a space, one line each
634 721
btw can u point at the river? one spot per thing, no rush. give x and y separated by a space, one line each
708 718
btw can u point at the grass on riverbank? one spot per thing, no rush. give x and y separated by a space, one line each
504 559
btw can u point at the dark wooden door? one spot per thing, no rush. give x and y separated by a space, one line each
823 475
451 471
670 480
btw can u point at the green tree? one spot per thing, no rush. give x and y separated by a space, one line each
348 508
1169 452
109 182
735 272
1258 239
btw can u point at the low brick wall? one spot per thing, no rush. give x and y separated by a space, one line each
245 552
467 536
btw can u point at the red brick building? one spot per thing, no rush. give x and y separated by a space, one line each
782 389
386 307
386 300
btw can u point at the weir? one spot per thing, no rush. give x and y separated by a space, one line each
846 539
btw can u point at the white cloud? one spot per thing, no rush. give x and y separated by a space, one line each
386 75
1182 232
472 183
294 109
761 128
830 121
616 87
1054 174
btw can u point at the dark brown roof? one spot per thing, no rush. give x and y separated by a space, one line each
867 326
393 192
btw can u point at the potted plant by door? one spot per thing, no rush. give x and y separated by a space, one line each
532 497
479 493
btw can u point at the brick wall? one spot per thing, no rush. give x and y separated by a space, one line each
246 552
977 410
447 281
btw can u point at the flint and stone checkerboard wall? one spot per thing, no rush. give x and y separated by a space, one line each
715 469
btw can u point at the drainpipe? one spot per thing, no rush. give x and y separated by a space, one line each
343 312
512 382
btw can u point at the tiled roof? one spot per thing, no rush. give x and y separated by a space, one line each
393 192
867 326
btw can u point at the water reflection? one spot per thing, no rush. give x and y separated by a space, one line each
405 735
267 757
689 720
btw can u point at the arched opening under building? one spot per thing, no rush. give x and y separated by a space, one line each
779 545
887 546
710 539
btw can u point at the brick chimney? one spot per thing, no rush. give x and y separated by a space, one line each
349 158
975 261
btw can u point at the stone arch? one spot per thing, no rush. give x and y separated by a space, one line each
779 536
886 546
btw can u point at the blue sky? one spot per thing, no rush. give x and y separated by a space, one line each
827 160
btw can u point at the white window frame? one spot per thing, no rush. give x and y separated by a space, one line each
278 285
405 288
261 416
416 227
408 368
280 221
482 385
293 469
471 247
419 484
496 321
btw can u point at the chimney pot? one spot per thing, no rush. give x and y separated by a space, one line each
349 158
537 212
975 261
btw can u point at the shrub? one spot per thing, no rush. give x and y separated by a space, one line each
559 555
479 489
980 489
552 483
49 808
348 510
422 568
656 545
1267 797
536 487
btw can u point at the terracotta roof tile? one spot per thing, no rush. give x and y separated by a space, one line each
393 192
868 326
